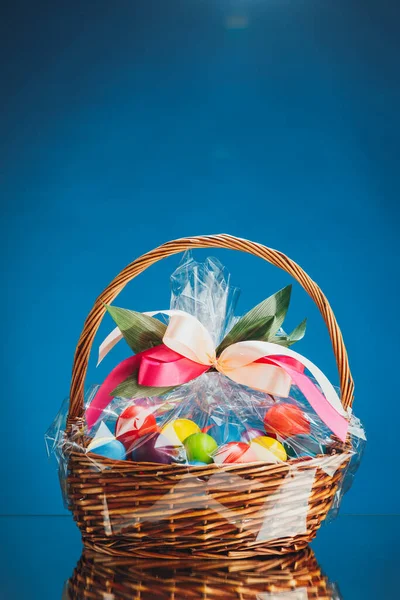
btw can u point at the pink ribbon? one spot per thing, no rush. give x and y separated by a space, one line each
328 414
103 397
157 367
187 352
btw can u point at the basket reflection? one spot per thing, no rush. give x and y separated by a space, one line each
295 576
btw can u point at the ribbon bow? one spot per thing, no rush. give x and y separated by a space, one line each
187 351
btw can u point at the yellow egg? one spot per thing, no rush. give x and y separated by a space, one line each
268 449
178 430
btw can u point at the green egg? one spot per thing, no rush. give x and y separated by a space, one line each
201 447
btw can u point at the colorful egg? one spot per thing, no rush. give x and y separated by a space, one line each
285 420
197 463
109 448
201 447
154 448
178 430
250 434
234 452
225 433
300 446
133 423
268 449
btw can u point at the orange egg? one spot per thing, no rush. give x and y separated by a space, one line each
286 420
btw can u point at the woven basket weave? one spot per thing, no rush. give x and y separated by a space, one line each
293 577
103 501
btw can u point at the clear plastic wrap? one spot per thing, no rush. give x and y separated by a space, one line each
213 438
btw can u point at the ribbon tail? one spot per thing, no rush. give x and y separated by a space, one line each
288 360
102 399
336 422
108 344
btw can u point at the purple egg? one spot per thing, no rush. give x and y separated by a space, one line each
155 448
142 402
250 434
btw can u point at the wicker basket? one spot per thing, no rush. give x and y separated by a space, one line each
293 577
102 500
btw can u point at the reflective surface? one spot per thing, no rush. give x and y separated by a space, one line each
293 577
352 558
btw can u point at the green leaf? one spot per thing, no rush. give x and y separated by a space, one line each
262 321
298 332
130 388
260 330
293 337
140 331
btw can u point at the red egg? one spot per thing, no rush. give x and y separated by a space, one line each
133 423
285 420
234 452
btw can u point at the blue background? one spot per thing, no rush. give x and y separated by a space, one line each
126 124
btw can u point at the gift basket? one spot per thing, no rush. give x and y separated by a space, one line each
296 576
215 437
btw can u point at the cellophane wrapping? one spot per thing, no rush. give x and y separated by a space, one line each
230 413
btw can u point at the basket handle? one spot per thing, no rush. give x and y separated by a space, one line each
81 358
